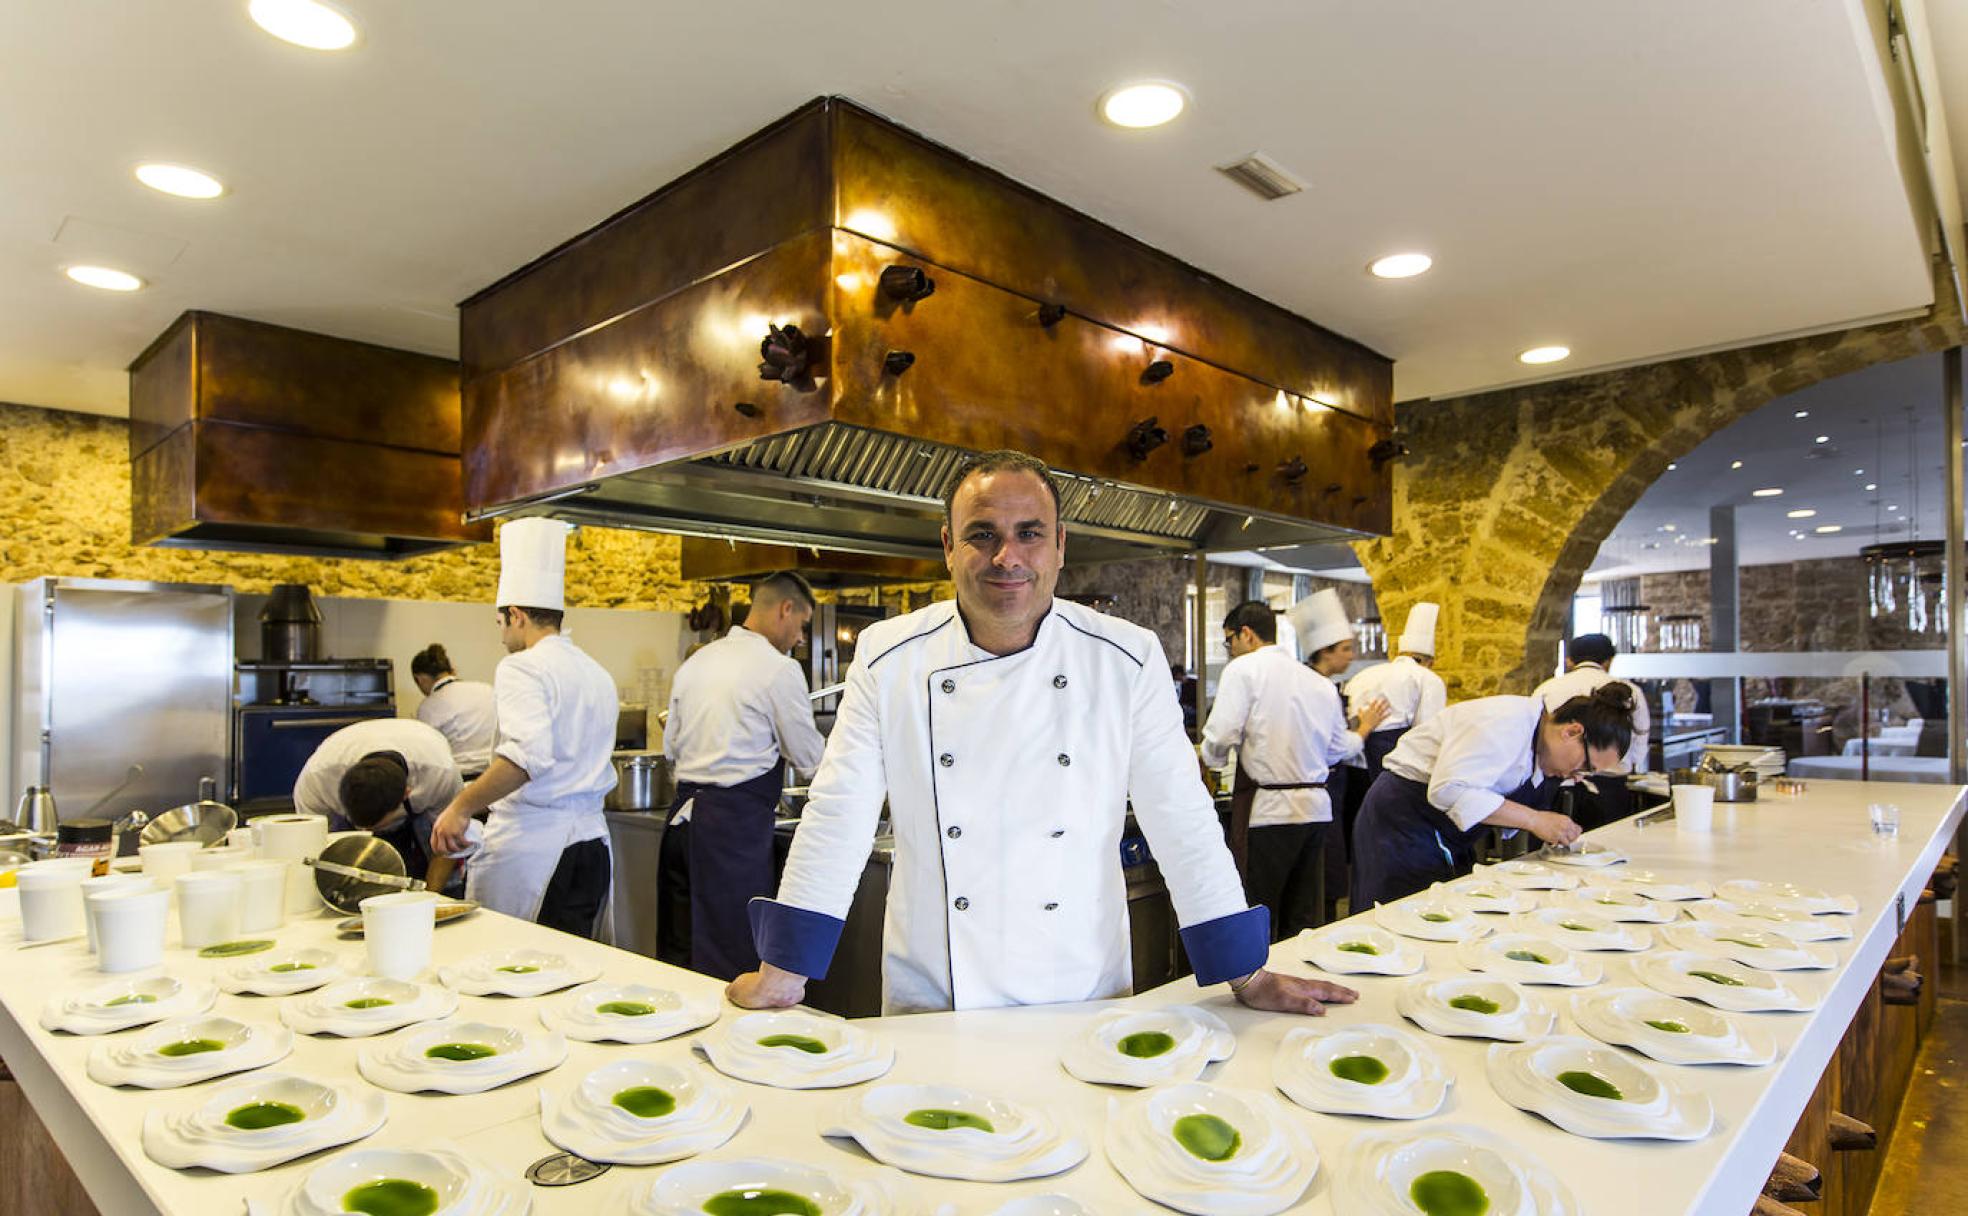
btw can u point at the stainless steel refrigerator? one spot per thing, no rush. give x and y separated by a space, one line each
108 674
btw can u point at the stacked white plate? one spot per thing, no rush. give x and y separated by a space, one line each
1724 983
1530 959
694 1112
186 1050
1750 945
1527 875
1433 916
1386 1173
1650 884
461 1185
198 1134
121 1004
946 1132
1581 930
403 1062
1623 904
1486 895
1797 926
1210 1151
1475 1007
517 973
796 1050
1589 854
1148 1046
358 1008
1354 947
1590 1089
1668 1028
687 1189
627 1013
1375 1070
283 974
1789 896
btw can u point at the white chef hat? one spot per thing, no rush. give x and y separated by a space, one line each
533 564
1320 620
1419 636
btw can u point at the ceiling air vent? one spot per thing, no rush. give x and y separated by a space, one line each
1262 176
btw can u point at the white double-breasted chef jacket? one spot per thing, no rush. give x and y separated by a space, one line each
1008 780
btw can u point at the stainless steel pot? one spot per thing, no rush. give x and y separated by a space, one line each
643 782
1732 784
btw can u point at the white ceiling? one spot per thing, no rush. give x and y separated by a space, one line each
1630 180
1886 421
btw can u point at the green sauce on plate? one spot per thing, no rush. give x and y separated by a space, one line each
797 1042
626 1009
132 998
190 1047
1591 1084
460 1051
285 967
367 1002
1741 941
391 1197
947 1120
1669 1027
1448 1193
256 1116
1146 1044
1361 1070
1716 977
1526 956
235 949
759 1203
1474 1004
645 1101
519 969
1436 918
1359 948
1208 1137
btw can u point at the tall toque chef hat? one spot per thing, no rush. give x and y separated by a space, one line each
533 564
1419 636
1320 620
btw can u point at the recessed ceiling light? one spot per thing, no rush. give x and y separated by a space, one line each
105 278
181 180
1667 527
1772 492
1671 466
1401 265
1802 414
1545 354
1735 464
1148 104
1892 508
1872 485
1822 439
1828 529
308 23
1801 513
1858 472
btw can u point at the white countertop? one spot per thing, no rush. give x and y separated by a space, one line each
1821 839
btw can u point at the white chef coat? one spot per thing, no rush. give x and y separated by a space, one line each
1414 694
557 709
434 779
1288 726
1471 755
1008 780
466 713
1579 682
736 706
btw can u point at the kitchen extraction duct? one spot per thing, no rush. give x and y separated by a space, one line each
800 342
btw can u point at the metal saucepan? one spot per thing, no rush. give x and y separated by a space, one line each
643 782
377 861
206 822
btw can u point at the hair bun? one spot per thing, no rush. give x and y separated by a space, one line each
1616 694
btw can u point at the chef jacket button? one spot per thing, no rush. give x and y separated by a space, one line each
1059 681
949 686
1058 832
946 759
962 903
1064 760
953 831
1052 907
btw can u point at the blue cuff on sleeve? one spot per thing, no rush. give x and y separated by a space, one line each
797 939
1229 946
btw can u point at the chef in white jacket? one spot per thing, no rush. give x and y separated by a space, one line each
1009 732
1606 798
545 856
466 712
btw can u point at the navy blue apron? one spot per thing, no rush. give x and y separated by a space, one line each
730 862
1404 845
1346 807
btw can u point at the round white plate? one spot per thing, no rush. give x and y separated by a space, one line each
1724 983
400 1062
683 1190
1196 1038
465 1186
518 973
1587 854
1669 1029
1789 896
1480 894
1430 1004
1623 904
196 1135
1432 916
849 1054
1354 947
1270 1166
578 1014
1530 959
120 1004
283 973
139 1060
586 1121
1052 1203
1382 1168
1577 929
1017 1141
1797 926
1320 1068
1646 1103
1651 884
1749 944
333 1008
1527 875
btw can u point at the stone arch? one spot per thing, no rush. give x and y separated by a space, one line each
1505 497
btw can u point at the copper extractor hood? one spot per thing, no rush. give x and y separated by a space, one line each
799 342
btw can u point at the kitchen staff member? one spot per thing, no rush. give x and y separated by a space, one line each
1288 728
1009 731
738 715
1587 659
389 777
545 855
463 711
1325 636
1492 762
1413 693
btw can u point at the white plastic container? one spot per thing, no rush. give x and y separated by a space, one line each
208 907
51 898
128 924
262 895
1694 808
397 929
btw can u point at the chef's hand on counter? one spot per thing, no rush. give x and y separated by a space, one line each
500 778
769 987
1289 994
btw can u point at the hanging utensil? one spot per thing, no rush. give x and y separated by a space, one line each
136 771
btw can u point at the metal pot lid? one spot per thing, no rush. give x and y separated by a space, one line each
206 822
364 852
